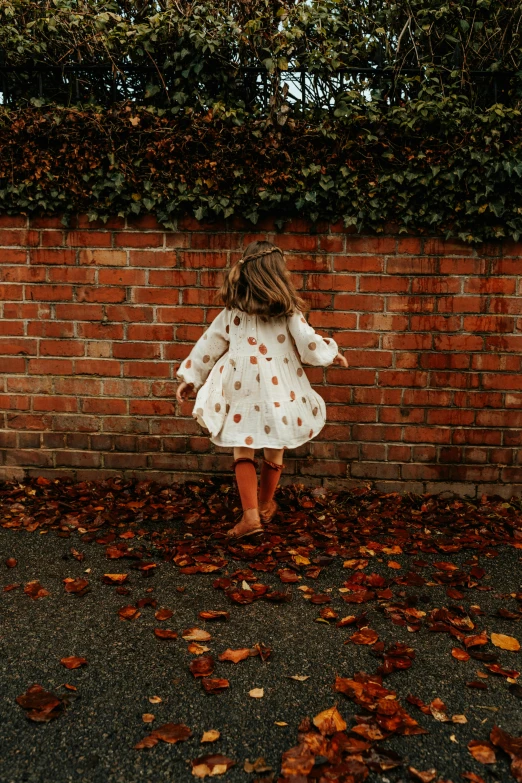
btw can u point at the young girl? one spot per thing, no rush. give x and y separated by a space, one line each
253 392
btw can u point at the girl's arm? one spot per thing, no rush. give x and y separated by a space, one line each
312 348
211 345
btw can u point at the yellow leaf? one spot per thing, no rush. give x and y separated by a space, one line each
329 721
505 642
256 693
210 736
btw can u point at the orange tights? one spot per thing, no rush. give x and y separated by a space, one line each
246 477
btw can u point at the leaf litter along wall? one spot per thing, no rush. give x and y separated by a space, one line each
96 318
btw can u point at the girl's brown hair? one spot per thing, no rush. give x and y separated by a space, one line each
260 284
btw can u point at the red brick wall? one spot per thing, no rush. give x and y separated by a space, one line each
96 318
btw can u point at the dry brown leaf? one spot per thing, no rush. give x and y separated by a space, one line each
364 636
165 633
172 732
211 735
197 649
155 699
163 614
505 642
73 662
482 751
235 655
211 765
196 635
114 579
256 693
147 717
394 564
299 677
459 654
35 589
329 721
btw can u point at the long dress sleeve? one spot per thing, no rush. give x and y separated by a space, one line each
312 348
211 345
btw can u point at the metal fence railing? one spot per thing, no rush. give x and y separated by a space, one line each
105 85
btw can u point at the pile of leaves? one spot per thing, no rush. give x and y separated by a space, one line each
143 523
187 524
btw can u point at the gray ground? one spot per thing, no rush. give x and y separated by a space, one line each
94 739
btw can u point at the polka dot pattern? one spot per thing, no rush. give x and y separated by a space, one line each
264 398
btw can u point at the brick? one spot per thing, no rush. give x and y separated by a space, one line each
96 367
128 350
50 366
330 282
99 294
406 265
201 260
146 369
383 323
457 342
445 247
364 264
10 292
61 348
12 256
461 304
88 238
148 332
79 312
307 263
52 403
460 418
409 245
180 315
103 257
138 239
22 274
490 285
45 256
446 361
463 266
410 304
427 435
435 285
51 238
331 244
434 323
505 305
49 293
402 378
383 284
175 278
359 302
72 275
121 276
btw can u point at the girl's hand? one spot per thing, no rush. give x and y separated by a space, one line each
339 359
183 391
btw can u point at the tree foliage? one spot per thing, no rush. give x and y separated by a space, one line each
418 138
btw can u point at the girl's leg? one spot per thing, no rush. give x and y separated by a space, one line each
270 472
246 477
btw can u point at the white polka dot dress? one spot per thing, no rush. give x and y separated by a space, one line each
253 390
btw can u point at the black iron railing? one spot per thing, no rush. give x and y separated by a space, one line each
105 84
